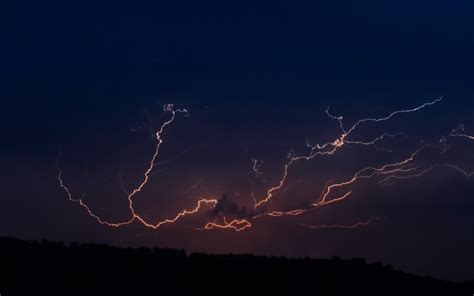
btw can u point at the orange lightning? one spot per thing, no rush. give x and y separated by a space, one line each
235 224
365 173
403 169
181 214
330 148
427 170
134 216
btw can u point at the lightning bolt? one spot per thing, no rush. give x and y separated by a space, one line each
130 196
459 132
330 148
355 225
235 224
405 168
364 173
421 172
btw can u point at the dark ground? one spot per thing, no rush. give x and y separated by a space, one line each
45 268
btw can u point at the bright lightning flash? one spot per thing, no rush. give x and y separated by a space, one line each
403 169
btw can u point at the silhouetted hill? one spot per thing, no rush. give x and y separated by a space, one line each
45 268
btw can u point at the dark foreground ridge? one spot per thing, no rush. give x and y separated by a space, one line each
46 268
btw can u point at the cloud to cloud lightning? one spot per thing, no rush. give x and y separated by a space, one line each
405 168
169 108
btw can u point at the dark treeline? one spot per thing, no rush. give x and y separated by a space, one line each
46 268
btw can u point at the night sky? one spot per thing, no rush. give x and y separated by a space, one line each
88 81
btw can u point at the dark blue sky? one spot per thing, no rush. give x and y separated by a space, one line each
257 77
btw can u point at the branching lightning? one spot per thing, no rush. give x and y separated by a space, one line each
330 148
235 224
146 176
405 168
